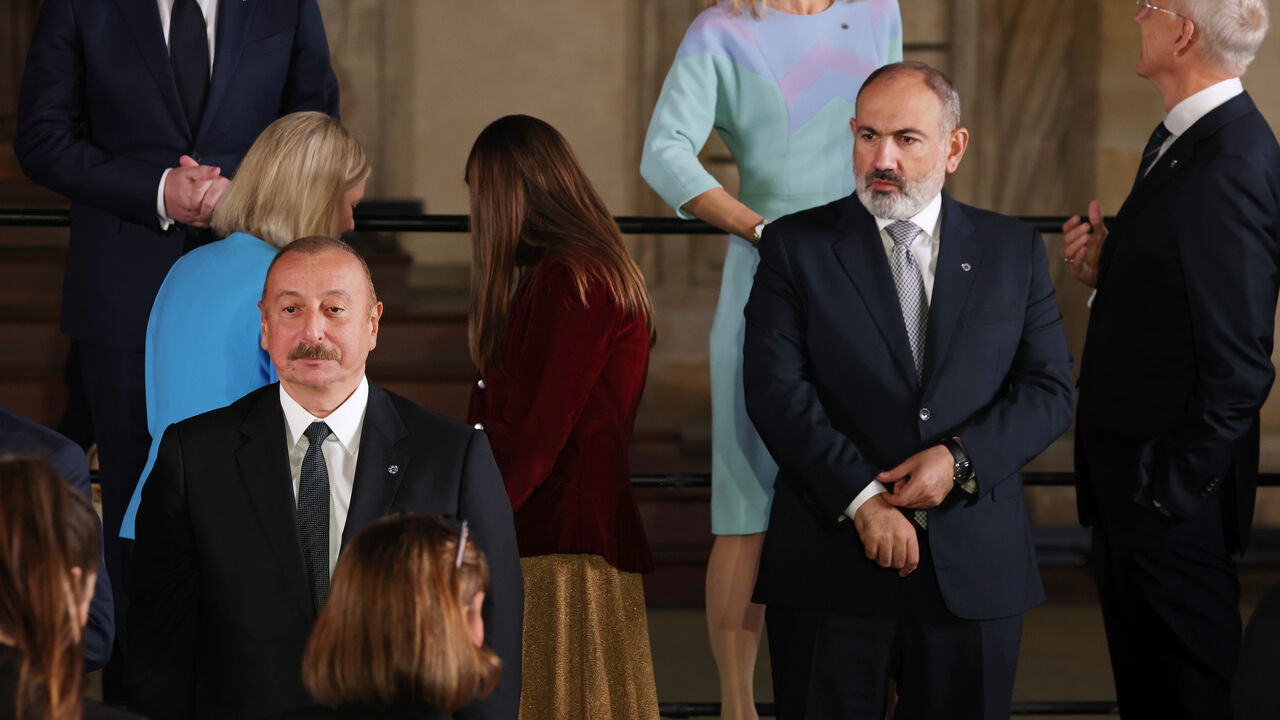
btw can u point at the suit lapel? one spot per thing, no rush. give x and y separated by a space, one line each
143 19
861 254
263 462
233 18
959 256
381 466
1177 157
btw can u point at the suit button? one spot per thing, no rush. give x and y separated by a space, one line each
925 414
480 384
479 426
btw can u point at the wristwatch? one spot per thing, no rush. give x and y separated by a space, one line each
759 230
963 466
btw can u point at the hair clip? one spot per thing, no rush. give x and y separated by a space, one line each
462 544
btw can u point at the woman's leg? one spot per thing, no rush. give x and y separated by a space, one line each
733 621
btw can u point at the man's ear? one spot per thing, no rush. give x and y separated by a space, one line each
957 142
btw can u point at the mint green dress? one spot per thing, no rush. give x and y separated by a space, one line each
780 91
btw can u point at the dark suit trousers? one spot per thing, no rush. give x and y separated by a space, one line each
114 384
1170 596
838 666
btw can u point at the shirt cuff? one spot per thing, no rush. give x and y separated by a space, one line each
161 215
873 488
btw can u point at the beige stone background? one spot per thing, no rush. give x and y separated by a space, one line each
1057 115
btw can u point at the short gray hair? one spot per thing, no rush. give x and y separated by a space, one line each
937 81
1230 30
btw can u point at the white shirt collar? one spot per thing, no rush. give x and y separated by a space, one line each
926 219
1186 113
345 422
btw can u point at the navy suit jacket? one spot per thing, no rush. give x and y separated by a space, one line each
1177 360
832 388
99 120
20 436
222 611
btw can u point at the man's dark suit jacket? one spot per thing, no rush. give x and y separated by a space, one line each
832 388
222 610
20 436
100 119
1177 360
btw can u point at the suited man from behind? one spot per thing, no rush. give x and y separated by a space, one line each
899 339
120 101
247 508
1177 363
20 436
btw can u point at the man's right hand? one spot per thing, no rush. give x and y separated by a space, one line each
1082 244
887 535
184 192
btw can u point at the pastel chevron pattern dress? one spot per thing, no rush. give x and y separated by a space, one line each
779 90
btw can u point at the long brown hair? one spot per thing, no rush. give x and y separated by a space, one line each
393 634
293 180
46 530
531 200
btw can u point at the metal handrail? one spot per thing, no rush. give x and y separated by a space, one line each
394 222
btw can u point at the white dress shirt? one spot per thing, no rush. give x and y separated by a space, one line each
341 450
1190 110
925 250
208 8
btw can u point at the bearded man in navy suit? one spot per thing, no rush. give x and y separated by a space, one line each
138 111
899 339
1177 363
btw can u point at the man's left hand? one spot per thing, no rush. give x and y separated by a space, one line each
922 481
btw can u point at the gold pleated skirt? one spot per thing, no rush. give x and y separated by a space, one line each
586 641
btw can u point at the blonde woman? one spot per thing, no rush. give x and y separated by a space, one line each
777 79
303 176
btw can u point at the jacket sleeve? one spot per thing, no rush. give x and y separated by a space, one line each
483 504
1228 250
164 609
312 84
51 144
1037 404
548 376
782 401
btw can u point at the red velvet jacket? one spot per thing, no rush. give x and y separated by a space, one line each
559 406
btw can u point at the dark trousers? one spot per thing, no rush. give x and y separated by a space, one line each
114 385
828 665
1171 606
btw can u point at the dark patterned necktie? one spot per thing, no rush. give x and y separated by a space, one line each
312 516
915 304
189 56
1151 151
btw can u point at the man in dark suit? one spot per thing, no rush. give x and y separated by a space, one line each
248 506
898 338
119 101
20 436
1177 363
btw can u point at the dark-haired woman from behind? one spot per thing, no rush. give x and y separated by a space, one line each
48 564
560 329
401 636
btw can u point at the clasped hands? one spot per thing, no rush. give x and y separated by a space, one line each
920 482
192 191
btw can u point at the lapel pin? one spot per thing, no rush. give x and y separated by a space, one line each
1173 163
966 267
393 469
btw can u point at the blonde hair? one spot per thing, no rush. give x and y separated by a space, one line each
293 180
